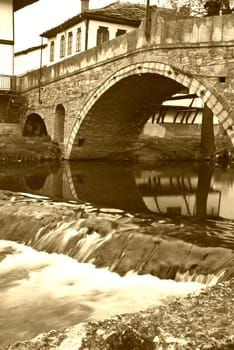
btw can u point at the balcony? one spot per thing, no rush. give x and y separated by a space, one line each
6 83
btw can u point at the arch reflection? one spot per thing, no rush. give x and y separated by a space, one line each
178 191
200 191
35 182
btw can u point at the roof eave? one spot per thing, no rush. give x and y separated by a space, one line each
62 27
30 49
19 4
77 19
111 19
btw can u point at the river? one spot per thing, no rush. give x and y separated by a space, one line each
149 233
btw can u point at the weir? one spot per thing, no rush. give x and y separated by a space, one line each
97 263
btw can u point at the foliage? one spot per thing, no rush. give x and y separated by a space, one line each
200 8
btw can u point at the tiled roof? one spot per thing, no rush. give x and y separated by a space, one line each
117 12
120 10
129 11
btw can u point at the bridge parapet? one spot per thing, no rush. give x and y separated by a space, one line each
196 31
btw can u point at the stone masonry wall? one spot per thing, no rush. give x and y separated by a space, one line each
10 129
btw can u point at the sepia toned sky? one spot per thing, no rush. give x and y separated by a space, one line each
32 20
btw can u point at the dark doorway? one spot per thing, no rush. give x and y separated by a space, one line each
34 126
59 123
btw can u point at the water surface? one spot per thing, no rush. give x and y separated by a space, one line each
150 233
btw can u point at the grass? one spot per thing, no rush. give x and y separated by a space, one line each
174 148
146 149
26 149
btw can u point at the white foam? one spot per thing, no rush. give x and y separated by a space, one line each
44 291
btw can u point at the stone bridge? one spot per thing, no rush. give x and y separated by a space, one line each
97 102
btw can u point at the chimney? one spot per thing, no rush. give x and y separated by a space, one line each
84 5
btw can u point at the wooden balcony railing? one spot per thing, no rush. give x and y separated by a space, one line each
7 83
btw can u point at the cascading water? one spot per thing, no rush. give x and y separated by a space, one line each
97 240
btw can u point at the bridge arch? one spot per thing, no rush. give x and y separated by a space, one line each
178 77
34 126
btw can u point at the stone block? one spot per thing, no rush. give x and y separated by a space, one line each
195 85
211 102
205 29
228 28
231 135
230 122
187 81
217 108
222 116
227 123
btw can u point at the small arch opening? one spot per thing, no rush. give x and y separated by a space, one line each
59 123
34 126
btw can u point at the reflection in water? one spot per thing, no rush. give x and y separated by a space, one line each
205 192
39 178
180 191
35 182
200 191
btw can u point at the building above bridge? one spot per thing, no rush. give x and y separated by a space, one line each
93 27
119 13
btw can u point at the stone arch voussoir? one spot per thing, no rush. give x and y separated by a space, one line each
175 72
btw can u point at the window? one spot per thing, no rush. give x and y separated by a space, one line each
51 51
102 35
62 46
78 40
69 43
120 32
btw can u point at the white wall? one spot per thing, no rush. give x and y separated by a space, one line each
29 60
6 34
57 38
112 27
92 39
6 19
6 59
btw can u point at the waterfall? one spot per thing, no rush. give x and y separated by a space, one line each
118 247
73 238
209 279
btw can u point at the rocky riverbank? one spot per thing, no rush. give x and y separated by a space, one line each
203 322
